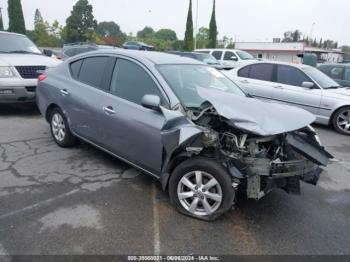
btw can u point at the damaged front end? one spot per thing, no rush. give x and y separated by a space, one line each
257 163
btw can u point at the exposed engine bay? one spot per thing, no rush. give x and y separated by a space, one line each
257 163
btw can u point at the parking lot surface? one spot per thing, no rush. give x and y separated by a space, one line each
83 201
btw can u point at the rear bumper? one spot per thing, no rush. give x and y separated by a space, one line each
17 91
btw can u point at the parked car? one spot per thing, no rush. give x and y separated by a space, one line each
184 123
228 57
138 46
21 62
338 72
73 49
299 85
205 58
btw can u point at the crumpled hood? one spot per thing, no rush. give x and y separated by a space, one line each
345 91
28 60
256 116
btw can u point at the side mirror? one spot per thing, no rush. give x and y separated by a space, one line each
151 102
308 84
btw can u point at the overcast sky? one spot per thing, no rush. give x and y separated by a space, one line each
245 20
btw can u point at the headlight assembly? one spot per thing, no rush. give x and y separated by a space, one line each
6 72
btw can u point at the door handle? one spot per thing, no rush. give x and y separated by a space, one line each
245 82
64 92
279 87
108 110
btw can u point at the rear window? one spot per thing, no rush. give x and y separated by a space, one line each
92 70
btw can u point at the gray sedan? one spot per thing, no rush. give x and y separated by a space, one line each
184 123
298 85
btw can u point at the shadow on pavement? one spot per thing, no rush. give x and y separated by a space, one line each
19 110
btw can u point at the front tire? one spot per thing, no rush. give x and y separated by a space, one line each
60 129
200 187
341 121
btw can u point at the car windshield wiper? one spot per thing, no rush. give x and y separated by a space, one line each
23 52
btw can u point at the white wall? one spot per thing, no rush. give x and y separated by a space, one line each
290 57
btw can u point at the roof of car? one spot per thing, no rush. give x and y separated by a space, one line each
151 56
274 62
335 64
10 33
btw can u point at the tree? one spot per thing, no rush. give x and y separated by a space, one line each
287 37
147 32
80 25
189 42
202 37
16 19
166 35
109 29
37 17
320 43
296 36
46 35
1 21
213 31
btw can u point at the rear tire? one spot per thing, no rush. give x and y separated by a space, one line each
201 188
60 129
341 120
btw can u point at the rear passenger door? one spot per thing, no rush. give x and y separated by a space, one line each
256 80
84 96
289 89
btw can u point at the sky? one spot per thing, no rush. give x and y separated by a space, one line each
243 20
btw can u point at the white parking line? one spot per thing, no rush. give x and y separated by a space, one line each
39 204
156 238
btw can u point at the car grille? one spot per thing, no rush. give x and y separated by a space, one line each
30 88
30 72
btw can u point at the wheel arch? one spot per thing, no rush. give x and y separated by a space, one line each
49 109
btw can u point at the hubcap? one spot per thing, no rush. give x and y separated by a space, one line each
58 127
199 193
343 121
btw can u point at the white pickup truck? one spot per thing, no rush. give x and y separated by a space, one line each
21 62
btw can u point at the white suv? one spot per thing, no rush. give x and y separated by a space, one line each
21 62
229 57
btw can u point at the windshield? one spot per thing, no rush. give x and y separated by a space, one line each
208 59
17 44
244 55
322 79
185 79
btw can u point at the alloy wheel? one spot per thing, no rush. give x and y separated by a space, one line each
58 127
199 193
343 121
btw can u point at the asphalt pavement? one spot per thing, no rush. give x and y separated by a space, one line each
83 201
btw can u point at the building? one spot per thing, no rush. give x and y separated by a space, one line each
289 52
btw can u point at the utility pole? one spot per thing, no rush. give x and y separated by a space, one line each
196 28
1 20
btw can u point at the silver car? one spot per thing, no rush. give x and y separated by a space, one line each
21 62
184 123
299 85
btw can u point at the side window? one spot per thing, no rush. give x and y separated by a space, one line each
261 72
92 70
244 72
75 68
347 74
291 76
217 55
230 56
131 82
336 73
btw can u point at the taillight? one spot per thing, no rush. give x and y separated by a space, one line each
41 77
